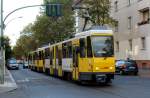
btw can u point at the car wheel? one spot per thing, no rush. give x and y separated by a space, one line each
135 73
121 72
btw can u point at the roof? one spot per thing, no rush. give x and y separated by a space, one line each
91 32
95 30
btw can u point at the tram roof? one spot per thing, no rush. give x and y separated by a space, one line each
92 32
41 48
80 35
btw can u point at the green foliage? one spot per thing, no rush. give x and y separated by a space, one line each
46 30
99 11
8 52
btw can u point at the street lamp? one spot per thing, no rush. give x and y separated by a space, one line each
5 25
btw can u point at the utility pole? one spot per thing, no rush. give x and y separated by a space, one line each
1 47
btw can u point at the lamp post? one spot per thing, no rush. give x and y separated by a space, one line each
5 25
1 47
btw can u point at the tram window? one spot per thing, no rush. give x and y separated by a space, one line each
47 53
89 47
41 56
37 56
53 53
57 52
60 57
75 57
102 46
82 48
64 51
51 61
34 57
70 51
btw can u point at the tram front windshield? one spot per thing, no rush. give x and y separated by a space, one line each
102 46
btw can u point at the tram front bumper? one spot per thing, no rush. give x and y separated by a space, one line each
98 77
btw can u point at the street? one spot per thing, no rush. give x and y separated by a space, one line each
37 85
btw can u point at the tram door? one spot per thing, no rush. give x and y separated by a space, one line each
75 62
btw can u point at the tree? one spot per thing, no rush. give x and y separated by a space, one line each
5 42
25 43
99 11
46 30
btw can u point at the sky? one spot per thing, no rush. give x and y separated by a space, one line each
14 24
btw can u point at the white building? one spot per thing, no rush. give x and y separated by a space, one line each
132 35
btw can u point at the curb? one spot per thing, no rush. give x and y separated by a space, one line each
8 85
144 73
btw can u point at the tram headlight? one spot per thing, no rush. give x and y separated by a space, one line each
97 68
111 68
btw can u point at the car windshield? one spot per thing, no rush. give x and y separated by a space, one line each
102 46
130 63
120 63
12 61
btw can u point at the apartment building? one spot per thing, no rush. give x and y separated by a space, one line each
132 33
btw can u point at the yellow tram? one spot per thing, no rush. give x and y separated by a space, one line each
89 56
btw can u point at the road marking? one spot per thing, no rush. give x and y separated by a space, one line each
22 81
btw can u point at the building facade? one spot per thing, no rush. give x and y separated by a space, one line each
132 32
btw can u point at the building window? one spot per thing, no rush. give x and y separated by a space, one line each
129 2
116 26
139 0
116 6
130 44
117 46
143 41
129 22
144 16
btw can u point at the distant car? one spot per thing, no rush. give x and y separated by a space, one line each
25 65
12 64
126 67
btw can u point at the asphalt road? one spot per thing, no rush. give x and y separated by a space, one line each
37 85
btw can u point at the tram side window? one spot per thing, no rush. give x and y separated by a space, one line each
64 51
41 55
70 51
53 53
51 58
36 56
89 47
59 57
82 48
57 52
47 53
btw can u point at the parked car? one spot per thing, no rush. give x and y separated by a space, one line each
126 67
25 64
12 64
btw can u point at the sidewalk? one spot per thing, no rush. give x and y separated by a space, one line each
144 73
9 84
